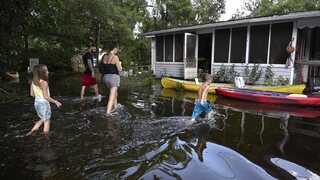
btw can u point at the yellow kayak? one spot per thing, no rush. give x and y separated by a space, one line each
192 86
166 92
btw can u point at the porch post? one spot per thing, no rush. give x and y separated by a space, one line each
196 53
248 45
153 54
174 48
269 44
212 50
293 54
230 42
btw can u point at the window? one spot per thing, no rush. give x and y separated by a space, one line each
221 45
168 48
159 48
238 45
281 35
179 42
259 38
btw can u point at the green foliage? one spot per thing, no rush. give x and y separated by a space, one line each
269 74
246 70
282 81
255 74
209 10
225 74
164 73
272 7
220 75
175 13
179 86
232 73
55 30
149 80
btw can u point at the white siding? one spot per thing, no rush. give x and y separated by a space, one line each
169 69
278 70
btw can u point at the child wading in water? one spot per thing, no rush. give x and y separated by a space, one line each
201 104
40 90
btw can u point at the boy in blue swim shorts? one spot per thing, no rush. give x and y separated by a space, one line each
201 104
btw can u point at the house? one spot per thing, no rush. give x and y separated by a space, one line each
185 51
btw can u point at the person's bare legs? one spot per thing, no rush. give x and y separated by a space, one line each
35 127
96 90
46 127
83 88
113 91
115 102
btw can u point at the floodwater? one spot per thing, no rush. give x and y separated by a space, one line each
149 137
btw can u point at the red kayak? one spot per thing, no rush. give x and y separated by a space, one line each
271 110
270 97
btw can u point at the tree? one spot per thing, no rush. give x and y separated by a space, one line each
54 30
272 7
176 13
209 10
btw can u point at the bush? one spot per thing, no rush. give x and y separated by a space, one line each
269 74
282 81
149 80
253 75
225 74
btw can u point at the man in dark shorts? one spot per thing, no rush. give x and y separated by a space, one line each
88 77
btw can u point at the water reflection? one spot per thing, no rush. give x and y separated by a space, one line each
201 133
149 137
270 110
297 171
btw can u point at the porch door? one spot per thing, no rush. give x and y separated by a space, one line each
189 56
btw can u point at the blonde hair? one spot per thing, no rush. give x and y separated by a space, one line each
40 71
208 77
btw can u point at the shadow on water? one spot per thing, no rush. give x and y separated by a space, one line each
150 137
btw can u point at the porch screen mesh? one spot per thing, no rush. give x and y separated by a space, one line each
281 34
221 45
168 48
315 44
259 36
159 48
179 41
238 45
204 48
191 44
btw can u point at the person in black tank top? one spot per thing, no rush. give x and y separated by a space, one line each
111 68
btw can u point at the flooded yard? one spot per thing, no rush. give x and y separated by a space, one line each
150 137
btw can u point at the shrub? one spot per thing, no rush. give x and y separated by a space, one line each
282 81
149 80
179 86
255 74
269 74
221 74
232 73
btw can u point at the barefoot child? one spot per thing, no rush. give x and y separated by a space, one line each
201 104
40 90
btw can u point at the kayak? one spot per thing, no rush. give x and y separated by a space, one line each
271 110
11 75
270 97
192 86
